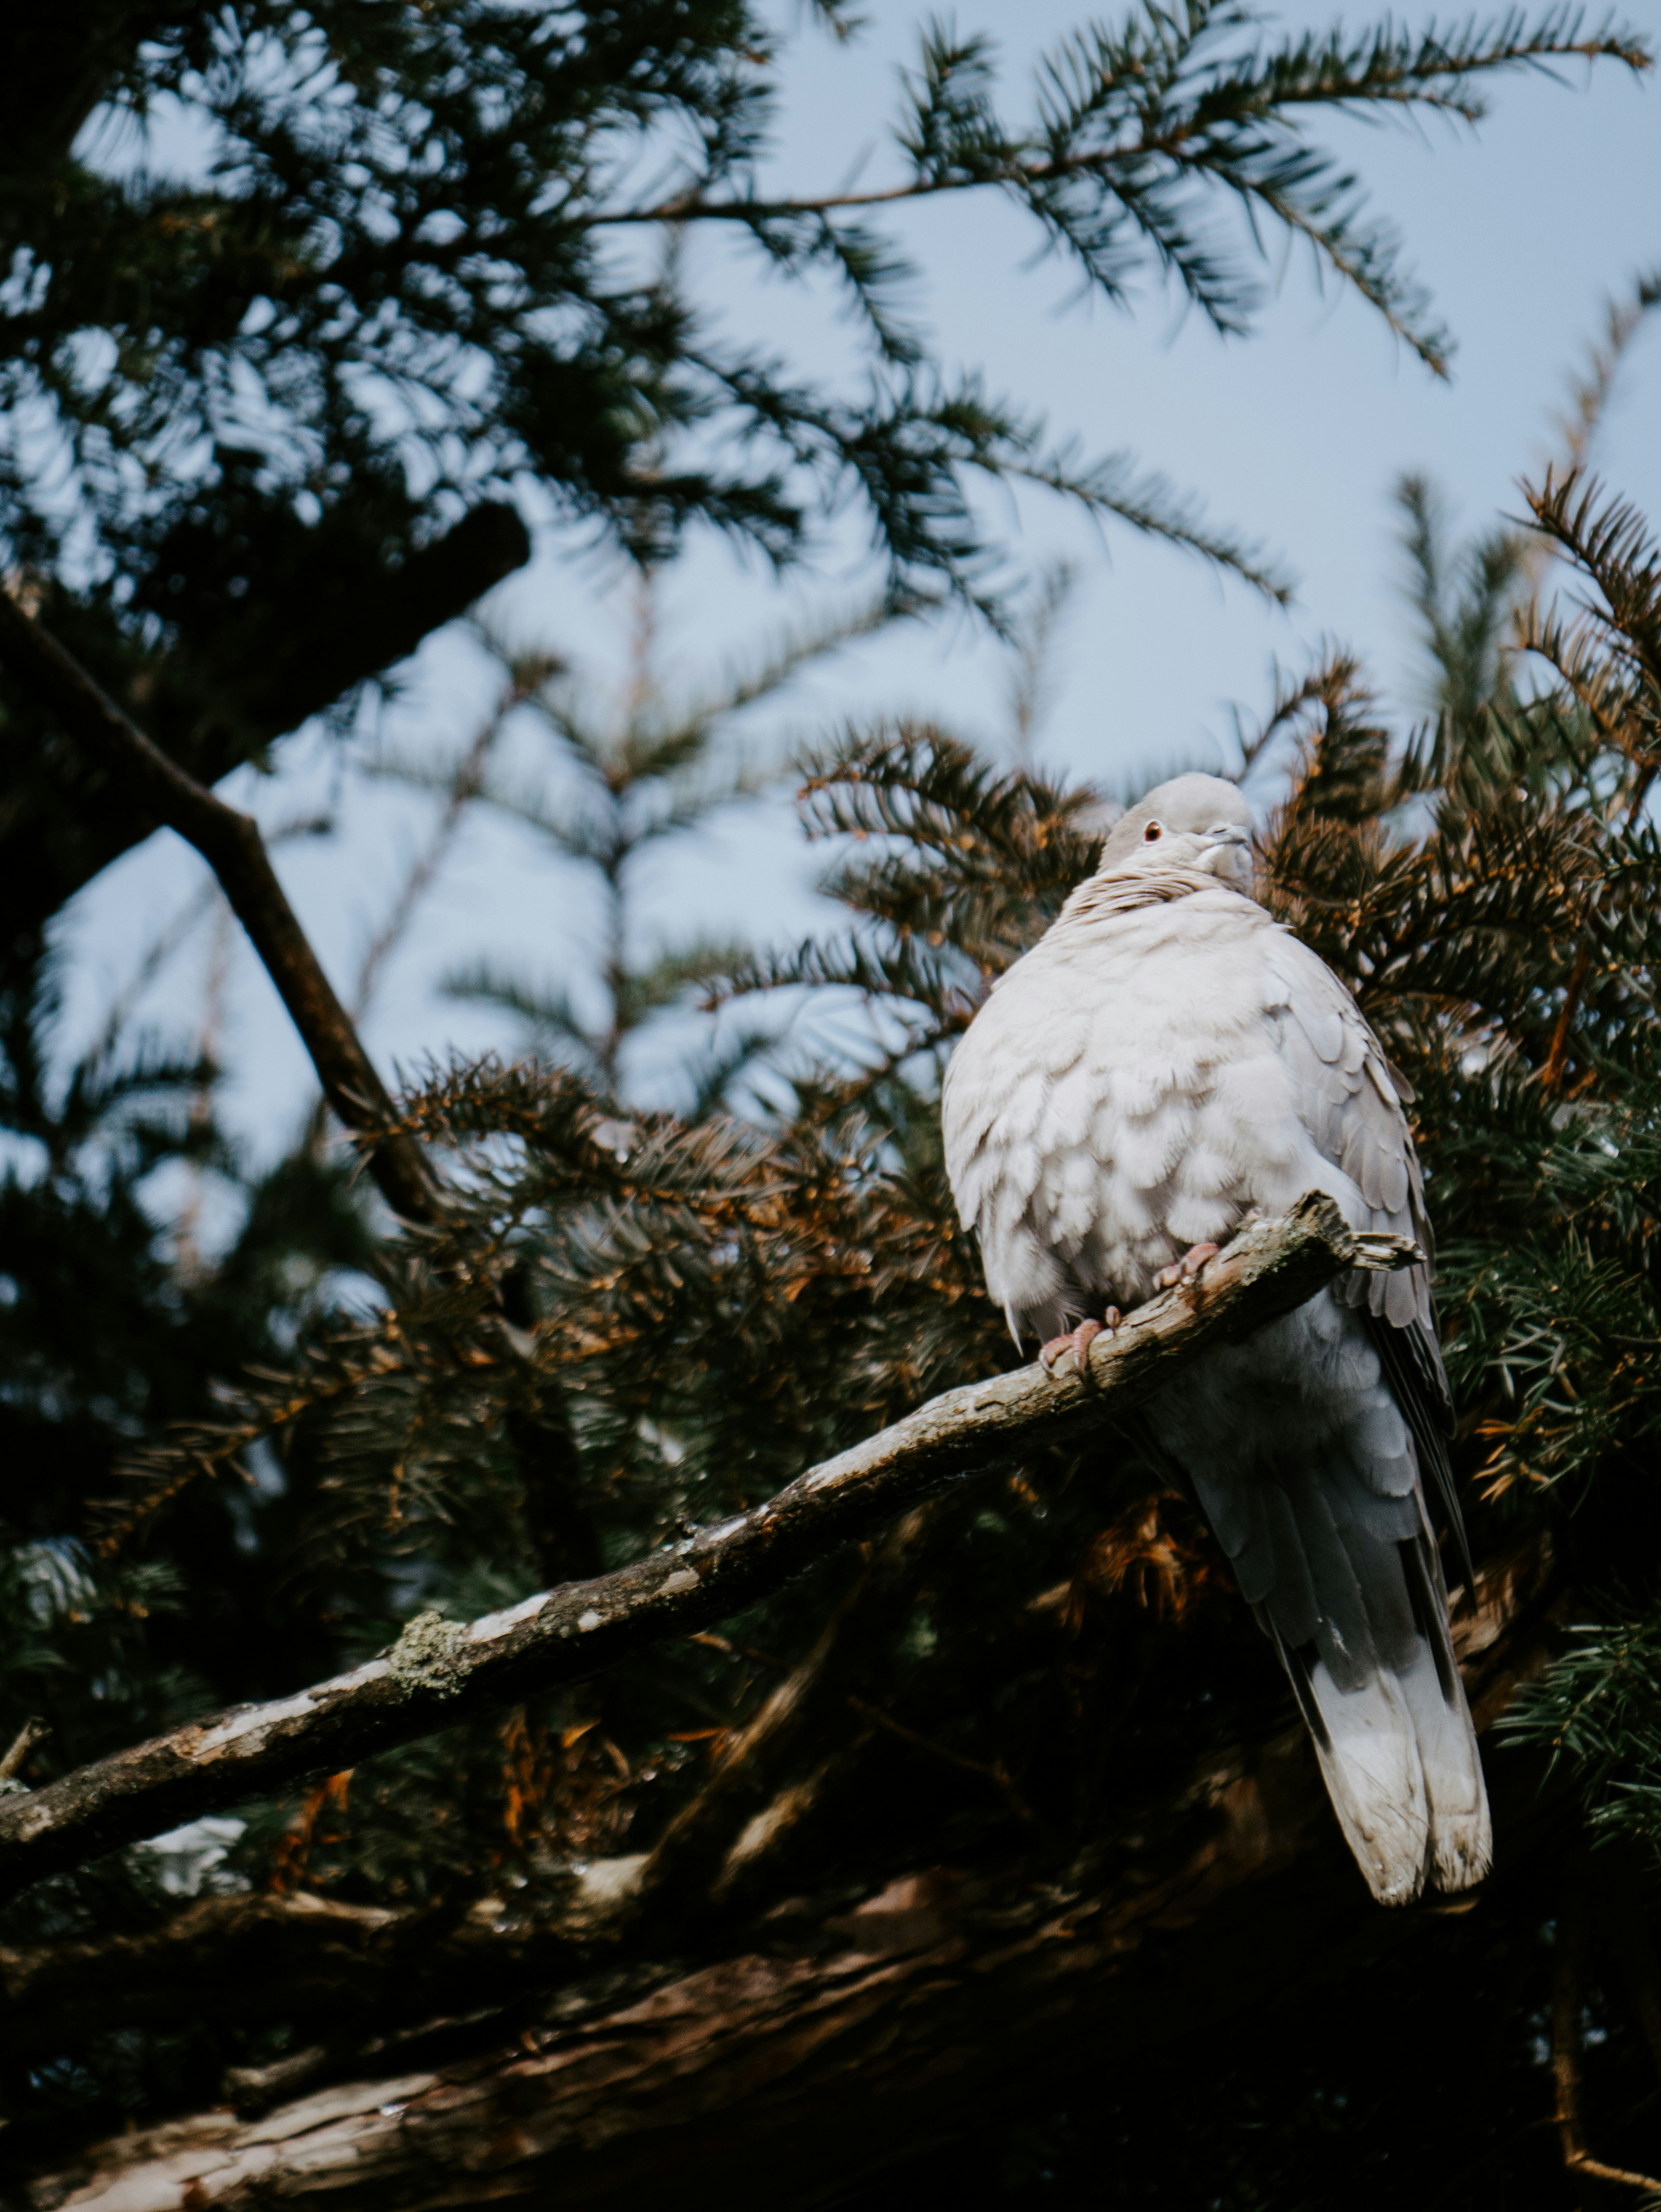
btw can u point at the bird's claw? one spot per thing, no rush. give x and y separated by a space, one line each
1078 1341
1187 1269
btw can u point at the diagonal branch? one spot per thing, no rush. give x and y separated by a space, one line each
231 844
440 1672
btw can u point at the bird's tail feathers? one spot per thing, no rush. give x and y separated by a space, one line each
1398 1751
1462 1839
1369 1762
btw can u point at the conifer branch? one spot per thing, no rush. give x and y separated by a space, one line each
231 844
1432 77
440 1672
1129 121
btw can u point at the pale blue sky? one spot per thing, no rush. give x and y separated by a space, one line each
1295 436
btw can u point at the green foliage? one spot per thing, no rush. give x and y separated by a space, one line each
704 1305
633 1322
107 1335
1600 1707
272 402
633 1325
392 283
713 1303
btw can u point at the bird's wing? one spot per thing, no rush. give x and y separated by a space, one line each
1350 1100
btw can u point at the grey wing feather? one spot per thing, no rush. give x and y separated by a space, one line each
1413 1363
1356 1098
1353 1109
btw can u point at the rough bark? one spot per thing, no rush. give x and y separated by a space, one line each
440 1672
836 2033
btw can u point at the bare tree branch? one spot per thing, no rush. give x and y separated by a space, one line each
331 1967
231 844
439 1672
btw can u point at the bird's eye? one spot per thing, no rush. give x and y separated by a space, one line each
1154 832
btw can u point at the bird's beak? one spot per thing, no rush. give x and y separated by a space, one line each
1227 855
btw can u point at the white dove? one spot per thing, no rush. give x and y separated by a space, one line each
1164 1062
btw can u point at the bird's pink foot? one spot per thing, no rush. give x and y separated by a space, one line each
1078 1341
1187 1269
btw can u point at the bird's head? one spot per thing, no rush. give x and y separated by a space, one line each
1198 822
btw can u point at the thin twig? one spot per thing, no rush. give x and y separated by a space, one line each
231 844
168 941
1557 1058
1627 2179
711 1642
440 1672
1021 170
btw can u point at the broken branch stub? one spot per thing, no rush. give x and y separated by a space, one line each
440 1672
